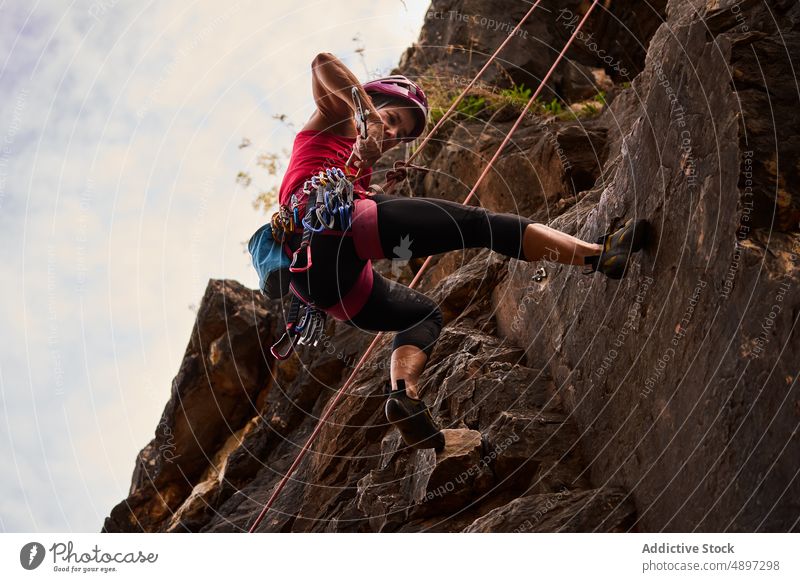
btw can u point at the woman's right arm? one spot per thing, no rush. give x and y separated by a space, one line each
332 84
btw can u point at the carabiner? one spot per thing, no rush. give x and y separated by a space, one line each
295 209
306 333
310 227
296 254
278 355
315 327
331 204
322 216
361 114
303 322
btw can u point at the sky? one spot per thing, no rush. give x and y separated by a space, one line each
120 126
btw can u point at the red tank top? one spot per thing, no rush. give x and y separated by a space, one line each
314 151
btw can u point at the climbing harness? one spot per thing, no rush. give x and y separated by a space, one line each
341 392
330 213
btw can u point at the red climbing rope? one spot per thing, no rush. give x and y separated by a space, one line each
471 83
343 389
398 173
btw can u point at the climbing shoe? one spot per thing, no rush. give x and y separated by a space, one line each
413 419
617 249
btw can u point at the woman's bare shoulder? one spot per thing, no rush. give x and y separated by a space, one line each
343 128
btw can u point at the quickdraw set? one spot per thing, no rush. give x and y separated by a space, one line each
329 196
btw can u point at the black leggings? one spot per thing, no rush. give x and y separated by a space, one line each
407 228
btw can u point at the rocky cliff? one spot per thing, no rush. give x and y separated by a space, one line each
667 401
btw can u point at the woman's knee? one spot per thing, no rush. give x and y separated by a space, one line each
423 334
507 233
436 320
433 324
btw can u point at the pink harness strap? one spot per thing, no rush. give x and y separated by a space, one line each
353 301
365 229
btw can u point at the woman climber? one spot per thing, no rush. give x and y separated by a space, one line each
341 280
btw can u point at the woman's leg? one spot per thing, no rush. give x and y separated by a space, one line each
416 319
541 242
421 227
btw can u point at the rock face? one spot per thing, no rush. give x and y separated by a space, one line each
459 37
684 375
667 401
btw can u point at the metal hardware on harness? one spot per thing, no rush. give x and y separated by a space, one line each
289 338
333 197
288 341
282 223
295 210
539 274
294 268
308 331
312 327
303 322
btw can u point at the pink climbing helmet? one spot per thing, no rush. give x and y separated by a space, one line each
406 89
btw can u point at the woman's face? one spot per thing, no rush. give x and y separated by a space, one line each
398 123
